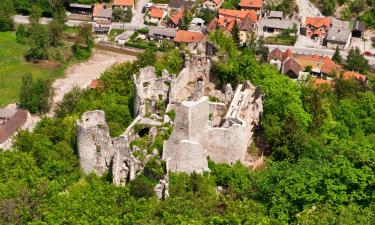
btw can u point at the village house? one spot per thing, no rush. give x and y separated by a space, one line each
272 27
161 33
256 5
177 5
296 65
358 29
102 27
155 15
183 36
212 4
316 27
101 12
10 121
197 24
362 79
80 9
246 21
279 15
124 4
175 18
339 35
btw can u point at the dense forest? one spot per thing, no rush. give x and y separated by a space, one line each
319 145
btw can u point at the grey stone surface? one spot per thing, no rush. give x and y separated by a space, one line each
99 153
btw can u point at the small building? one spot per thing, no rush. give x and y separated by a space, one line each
124 4
256 5
291 68
358 29
276 26
161 33
339 35
11 120
278 15
124 37
176 18
317 27
101 12
212 4
102 27
80 9
183 36
362 79
155 15
197 24
179 4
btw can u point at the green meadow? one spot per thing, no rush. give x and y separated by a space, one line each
13 66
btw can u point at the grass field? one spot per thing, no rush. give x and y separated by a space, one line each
13 67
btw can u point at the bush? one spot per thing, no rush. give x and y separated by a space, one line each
142 187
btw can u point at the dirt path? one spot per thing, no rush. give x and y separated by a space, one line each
81 74
307 9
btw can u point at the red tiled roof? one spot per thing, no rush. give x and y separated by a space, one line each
318 82
123 3
350 74
318 21
278 54
156 12
97 8
93 84
239 14
178 17
222 23
13 124
188 36
251 3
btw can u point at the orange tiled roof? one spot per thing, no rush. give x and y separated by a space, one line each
319 82
93 84
97 8
156 12
318 21
123 3
188 36
350 74
239 14
176 18
251 3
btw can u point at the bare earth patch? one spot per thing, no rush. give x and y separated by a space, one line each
81 74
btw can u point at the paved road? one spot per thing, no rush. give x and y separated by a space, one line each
311 51
136 23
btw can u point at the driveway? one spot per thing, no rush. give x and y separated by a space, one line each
307 9
81 74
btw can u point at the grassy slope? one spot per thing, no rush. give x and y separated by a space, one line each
13 67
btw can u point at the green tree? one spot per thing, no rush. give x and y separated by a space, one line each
39 43
56 26
84 42
6 13
337 58
356 61
35 14
22 34
236 34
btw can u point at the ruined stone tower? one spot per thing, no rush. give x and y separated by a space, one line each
99 153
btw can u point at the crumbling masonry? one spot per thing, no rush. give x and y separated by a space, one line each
219 130
99 153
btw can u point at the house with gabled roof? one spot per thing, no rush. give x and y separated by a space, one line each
317 27
124 4
175 18
212 4
184 36
362 79
255 5
101 12
155 15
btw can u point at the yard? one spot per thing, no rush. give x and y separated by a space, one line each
13 67
280 40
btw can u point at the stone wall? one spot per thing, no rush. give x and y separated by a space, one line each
99 153
194 137
148 86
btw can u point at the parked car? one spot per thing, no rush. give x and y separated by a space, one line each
368 54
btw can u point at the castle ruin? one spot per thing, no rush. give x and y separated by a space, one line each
221 129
